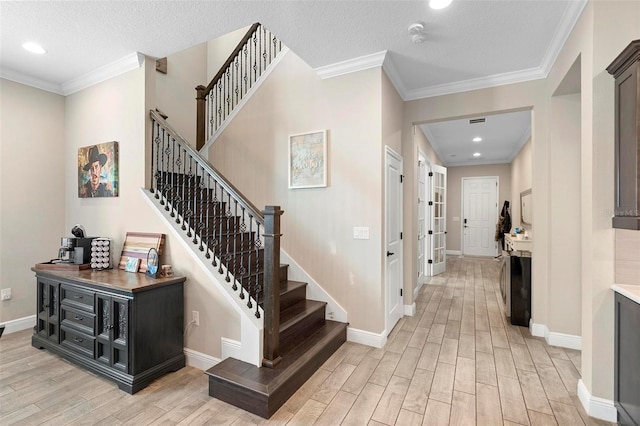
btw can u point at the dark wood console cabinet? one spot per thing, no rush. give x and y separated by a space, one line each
626 70
627 361
124 326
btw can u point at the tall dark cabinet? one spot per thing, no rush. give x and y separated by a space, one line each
626 70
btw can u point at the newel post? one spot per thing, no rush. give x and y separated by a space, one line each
200 116
271 286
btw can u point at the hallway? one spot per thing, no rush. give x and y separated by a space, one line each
457 361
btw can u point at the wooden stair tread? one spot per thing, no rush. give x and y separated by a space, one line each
263 390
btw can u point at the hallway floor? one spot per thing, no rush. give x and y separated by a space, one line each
457 361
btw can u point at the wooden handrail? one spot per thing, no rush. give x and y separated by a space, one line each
209 168
252 29
203 91
269 220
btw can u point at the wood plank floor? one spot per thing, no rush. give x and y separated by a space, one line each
456 362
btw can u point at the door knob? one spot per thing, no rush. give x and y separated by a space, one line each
389 253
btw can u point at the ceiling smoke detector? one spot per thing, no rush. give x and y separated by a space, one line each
416 33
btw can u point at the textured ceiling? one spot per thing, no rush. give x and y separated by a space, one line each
469 45
477 42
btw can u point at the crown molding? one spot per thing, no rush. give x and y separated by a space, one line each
476 83
122 65
27 80
392 72
567 23
474 163
351 65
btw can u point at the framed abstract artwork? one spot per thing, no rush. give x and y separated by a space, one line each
98 170
308 160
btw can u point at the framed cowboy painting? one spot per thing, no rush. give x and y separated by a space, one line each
98 170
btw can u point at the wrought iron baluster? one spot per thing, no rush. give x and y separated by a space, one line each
199 202
206 231
166 153
232 226
162 189
222 214
204 204
241 253
190 209
250 264
229 242
215 242
154 130
180 198
259 285
173 183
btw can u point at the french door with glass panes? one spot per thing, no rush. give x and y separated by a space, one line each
438 230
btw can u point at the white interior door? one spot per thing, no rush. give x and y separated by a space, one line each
480 215
422 213
438 230
393 207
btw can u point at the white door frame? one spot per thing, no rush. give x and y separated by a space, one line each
497 178
387 317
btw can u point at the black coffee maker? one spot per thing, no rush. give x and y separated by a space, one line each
76 249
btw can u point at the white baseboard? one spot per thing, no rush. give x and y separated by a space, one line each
562 340
230 348
199 360
410 310
599 408
454 252
366 337
19 324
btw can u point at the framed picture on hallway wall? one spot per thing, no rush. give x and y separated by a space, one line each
98 170
308 160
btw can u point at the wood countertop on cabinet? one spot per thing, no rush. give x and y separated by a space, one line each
113 279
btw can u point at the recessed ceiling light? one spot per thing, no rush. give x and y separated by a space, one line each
34 48
477 139
439 4
476 154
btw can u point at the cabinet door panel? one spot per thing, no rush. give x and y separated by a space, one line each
48 309
627 361
112 333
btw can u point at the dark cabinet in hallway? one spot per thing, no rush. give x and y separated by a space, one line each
626 70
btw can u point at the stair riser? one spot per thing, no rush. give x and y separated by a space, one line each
265 404
298 331
292 297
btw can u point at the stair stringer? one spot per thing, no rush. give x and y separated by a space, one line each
272 66
251 328
315 291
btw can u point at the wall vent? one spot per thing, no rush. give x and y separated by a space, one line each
477 120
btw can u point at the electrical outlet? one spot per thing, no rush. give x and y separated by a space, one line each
195 317
5 294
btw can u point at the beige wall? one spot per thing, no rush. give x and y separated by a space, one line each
520 181
175 90
318 223
565 266
31 190
454 195
627 257
116 110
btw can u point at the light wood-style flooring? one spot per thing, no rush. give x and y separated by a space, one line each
458 361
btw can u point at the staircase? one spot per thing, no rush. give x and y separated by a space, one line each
307 340
242 244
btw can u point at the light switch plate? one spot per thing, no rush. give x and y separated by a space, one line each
360 232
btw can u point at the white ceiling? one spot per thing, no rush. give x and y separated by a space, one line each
469 45
503 135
